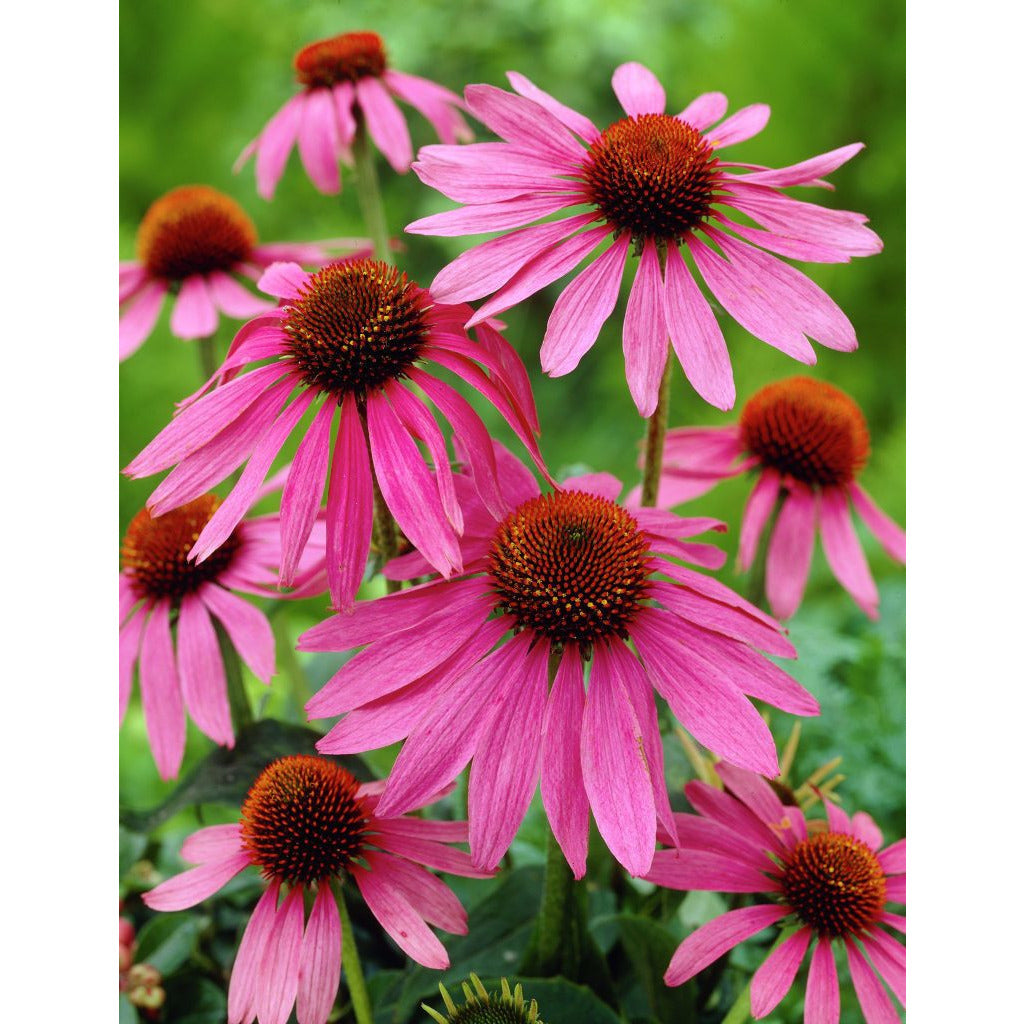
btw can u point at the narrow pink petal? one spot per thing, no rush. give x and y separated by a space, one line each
400 920
278 982
161 695
250 961
128 655
725 808
505 768
426 893
438 105
690 869
699 833
472 220
246 626
196 884
574 121
582 309
709 587
137 321
874 1001
843 550
891 536
896 889
696 336
754 791
561 780
303 490
717 937
789 552
344 99
705 110
524 123
318 141
604 485
774 978
783 245
893 859
438 856
275 143
130 279
638 90
409 490
807 170
201 670
821 1004
889 958
283 279
865 829
194 314
385 122
644 334
349 508
760 506
231 298
615 768
897 921
319 960
215 842
513 370
744 124
473 177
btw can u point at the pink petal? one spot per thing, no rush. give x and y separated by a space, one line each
807 170
278 982
284 280
711 588
581 125
822 1000
161 695
582 309
843 550
472 220
436 104
705 110
215 842
717 937
505 768
513 371
194 314
561 780
246 626
644 334
874 1001
865 829
434 855
892 538
201 670
753 791
128 655
724 808
426 893
249 963
744 124
275 143
696 336
789 552
344 100
893 859
319 960
349 508
139 319
638 90
604 485
760 506
400 920
615 768
231 298
889 959
896 889
196 884
385 122
319 142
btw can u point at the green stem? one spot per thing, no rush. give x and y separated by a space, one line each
238 699
370 201
207 357
350 962
654 445
740 1010
385 533
756 593
287 659
556 908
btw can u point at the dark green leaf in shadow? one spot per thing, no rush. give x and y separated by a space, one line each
168 940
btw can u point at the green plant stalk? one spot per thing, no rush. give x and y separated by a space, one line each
207 356
351 965
238 699
287 659
740 1010
654 444
370 200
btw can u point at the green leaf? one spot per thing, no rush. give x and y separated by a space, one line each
193 999
649 947
131 846
224 776
126 1013
168 940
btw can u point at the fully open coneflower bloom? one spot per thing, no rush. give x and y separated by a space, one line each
568 573
655 182
309 826
829 881
192 241
168 605
483 1007
349 337
807 440
346 84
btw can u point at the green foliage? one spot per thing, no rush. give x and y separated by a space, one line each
168 940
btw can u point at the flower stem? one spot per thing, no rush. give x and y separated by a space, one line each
350 962
654 445
207 357
554 922
238 699
370 200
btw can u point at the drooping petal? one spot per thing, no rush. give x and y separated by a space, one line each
246 626
275 143
194 315
760 506
138 320
426 893
821 1004
789 552
638 90
644 333
128 655
215 842
874 1001
196 884
278 981
231 298
400 920
385 122
319 960
161 695
843 550
249 961
889 959
892 537
318 141
201 671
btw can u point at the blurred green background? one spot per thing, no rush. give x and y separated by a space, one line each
200 78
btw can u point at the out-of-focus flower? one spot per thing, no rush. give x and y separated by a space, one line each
347 83
656 182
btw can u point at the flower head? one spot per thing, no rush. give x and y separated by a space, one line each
196 241
351 336
169 605
656 182
461 666
828 881
483 1007
308 825
808 441
346 83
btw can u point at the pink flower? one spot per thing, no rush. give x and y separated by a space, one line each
653 181
307 824
808 440
829 882
191 241
168 605
352 335
346 79
570 573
